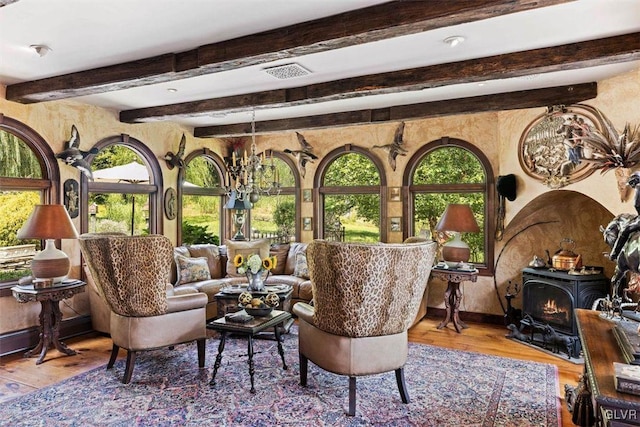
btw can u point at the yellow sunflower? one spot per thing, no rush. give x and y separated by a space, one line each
238 260
269 263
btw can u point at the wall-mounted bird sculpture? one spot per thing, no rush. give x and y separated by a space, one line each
74 156
395 148
304 156
175 160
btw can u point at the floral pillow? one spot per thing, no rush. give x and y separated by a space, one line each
192 269
301 268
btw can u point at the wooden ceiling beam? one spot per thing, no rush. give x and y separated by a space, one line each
497 102
544 60
366 25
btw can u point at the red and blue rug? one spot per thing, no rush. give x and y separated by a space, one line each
447 388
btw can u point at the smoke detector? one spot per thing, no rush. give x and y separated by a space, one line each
287 71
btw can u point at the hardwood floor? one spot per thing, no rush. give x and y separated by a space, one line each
19 375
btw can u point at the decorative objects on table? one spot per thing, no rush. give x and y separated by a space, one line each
304 155
170 203
175 160
254 268
73 156
394 149
457 218
250 175
71 197
623 236
239 206
49 222
551 147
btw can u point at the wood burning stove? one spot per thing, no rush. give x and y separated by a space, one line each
550 297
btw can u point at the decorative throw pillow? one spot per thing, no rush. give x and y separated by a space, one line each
212 254
192 269
301 269
260 247
280 251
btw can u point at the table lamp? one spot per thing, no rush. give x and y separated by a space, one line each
239 206
457 218
49 222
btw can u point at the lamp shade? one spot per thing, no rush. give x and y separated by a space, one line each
49 222
235 203
458 218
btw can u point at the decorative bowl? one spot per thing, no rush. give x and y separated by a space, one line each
258 312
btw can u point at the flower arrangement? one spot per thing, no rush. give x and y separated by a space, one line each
254 264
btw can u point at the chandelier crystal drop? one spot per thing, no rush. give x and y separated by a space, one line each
250 175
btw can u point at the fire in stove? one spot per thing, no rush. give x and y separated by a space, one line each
551 311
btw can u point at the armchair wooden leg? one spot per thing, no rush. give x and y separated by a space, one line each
128 371
402 386
352 396
201 352
304 362
114 356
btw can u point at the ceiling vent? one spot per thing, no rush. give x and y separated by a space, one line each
287 71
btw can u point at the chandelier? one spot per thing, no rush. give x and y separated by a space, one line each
251 175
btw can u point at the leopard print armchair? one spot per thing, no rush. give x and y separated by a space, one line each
366 297
132 274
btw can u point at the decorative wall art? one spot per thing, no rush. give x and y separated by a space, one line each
307 225
175 160
395 224
307 195
74 156
551 149
170 201
304 155
394 194
71 197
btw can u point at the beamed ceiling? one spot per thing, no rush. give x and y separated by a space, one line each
202 64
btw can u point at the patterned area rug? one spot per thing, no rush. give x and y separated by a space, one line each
447 388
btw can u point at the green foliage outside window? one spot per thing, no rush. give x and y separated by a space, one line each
17 160
197 234
442 167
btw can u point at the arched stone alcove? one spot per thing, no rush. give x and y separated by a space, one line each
542 224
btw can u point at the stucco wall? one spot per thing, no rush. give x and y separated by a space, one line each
496 134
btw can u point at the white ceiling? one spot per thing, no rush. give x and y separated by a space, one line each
85 34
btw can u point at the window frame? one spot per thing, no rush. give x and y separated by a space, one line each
48 185
154 189
488 188
320 190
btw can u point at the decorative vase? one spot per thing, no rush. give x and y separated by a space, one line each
256 282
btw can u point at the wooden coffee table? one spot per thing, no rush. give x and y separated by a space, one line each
275 320
227 301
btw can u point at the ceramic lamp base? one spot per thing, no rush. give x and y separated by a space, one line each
455 254
51 263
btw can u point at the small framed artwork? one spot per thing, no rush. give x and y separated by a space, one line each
71 197
170 207
395 224
307 225
394 194
307 195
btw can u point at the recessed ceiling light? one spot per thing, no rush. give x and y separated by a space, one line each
454 41
172 90
40 49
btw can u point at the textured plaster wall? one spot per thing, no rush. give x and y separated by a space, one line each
496 134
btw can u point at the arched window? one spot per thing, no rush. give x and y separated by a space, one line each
29 175
447 171
125 194
275 215
350 185
200 213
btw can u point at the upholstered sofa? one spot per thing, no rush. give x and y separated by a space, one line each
208 268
